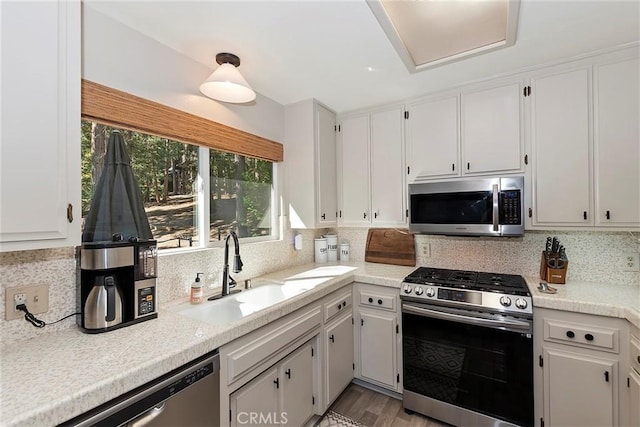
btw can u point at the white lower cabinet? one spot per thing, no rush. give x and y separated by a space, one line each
378 338
281 395
256 401
579 389
338 341
377 357
581 377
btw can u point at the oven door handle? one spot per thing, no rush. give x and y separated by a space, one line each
478 321
496 211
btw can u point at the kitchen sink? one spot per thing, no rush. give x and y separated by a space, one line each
264 294
237 306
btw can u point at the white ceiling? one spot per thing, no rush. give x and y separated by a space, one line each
336 52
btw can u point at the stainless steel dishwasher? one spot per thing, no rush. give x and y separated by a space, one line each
187 396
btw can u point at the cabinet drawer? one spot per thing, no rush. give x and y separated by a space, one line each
634 352
371 299
267 342
337 305
581 335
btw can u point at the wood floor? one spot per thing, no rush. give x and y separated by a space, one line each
374 409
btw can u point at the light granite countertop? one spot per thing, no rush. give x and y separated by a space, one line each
603 299
51 379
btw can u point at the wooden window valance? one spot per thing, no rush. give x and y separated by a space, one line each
120 109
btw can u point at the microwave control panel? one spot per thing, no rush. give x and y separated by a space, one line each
510 207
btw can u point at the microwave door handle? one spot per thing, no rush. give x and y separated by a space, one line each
496 213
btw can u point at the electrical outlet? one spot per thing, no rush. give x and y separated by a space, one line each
35 297
425 249
630 261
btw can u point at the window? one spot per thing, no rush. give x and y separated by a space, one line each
168 172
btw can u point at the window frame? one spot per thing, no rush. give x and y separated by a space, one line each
120 109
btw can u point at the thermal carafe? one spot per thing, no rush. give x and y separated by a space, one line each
103 307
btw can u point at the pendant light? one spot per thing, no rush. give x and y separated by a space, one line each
226 84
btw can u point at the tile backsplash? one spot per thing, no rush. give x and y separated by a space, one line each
593 256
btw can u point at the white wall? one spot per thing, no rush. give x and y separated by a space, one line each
117 56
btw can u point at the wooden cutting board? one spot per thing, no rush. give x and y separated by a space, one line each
390 246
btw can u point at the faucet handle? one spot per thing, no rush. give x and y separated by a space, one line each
232 283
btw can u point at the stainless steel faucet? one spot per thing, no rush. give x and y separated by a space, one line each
227 280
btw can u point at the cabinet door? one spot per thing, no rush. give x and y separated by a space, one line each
378 349
40 132
634 398
491 131
326 155
432 139
296 376
560 139
354 150
617 144
339 353
579 390
256 400
387 171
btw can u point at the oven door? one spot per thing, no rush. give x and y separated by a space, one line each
481 362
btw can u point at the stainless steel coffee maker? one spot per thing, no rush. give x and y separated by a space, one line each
117 284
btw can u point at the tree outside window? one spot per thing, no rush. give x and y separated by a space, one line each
240 187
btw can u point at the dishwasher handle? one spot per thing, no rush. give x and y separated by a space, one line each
145 418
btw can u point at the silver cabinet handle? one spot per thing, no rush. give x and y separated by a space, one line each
496 216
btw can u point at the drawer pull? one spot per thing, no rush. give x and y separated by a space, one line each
570 334
277 382
332 338
370 300
288 373
588 337
339 306
344 303
606 376
638 359
379 301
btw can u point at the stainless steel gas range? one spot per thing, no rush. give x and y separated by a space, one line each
468 347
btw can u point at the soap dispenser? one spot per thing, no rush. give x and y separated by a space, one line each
197 292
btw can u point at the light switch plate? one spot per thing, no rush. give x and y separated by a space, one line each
37 300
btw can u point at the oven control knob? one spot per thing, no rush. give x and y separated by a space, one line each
419 290
431 292
506 301
521 303
407 289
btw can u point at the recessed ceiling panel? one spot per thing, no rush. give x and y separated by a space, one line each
433 32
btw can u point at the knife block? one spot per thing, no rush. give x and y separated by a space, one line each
557 276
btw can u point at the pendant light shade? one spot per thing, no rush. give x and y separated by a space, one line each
226 84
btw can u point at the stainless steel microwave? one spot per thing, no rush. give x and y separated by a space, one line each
475 207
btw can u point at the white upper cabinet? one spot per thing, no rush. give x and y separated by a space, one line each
492 137
354 170
387 171
586 145
371 168
432 139
560 141
310 146
40 132
476 132
617 143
